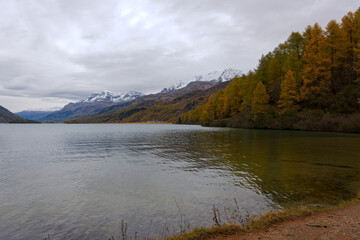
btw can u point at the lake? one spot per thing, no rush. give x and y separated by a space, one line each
81 181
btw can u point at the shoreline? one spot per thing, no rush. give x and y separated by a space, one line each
216 125
306 222
167 123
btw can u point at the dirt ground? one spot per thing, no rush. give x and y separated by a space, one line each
337 224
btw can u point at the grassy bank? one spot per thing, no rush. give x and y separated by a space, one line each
259 223
314 120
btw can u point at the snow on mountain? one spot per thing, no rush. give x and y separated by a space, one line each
212 76
229 74
174 87
226 75
107 96
218 76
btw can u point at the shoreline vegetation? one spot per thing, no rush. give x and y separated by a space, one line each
310 121
264 222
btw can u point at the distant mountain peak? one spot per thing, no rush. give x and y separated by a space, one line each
111 97
217 76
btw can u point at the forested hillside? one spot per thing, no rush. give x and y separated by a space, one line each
309 82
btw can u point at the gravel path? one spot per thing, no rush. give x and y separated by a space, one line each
341 224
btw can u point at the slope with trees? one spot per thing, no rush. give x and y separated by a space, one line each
309 82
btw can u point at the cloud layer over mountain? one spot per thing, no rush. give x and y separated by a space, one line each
55 51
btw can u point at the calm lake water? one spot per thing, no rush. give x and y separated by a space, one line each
80 181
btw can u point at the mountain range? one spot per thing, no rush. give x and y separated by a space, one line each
107 102
90 106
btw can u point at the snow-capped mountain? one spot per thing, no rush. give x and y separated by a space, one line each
217 76
90 106
226 75
110 97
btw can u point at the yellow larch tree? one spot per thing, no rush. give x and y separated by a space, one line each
204 117
357 62
336 51
260 101
289 95
316 78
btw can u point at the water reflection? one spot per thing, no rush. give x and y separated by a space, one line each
287 167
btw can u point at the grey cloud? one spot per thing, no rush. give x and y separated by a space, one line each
66 49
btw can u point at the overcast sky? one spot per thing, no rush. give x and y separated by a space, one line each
56 51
